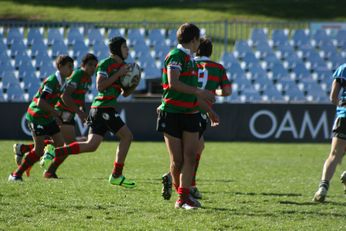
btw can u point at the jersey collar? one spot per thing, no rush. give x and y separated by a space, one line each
185 50
202 58
58 77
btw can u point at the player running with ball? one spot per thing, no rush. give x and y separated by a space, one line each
103 116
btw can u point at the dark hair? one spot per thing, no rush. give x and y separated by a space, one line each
114 46
88 57
187 32
61 60
205 47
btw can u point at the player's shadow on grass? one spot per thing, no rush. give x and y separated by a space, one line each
313 203
268 194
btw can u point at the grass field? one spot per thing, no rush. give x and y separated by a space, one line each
246 186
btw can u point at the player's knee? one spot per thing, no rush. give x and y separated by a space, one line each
177 165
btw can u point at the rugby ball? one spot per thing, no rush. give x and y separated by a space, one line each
126 81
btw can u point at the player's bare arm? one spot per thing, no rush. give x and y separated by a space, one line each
334 93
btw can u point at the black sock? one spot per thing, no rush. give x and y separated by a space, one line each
324 184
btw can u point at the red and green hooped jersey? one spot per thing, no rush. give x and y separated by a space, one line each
108 97
211 75
81 82
174 101
53 86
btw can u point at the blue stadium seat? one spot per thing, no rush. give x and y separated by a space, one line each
2 96
278 71
256 70
227 59
101 50
341 38
15 93
241 48
8 78
235 71
35 35
250 95
172 37
55 35
300 71
42 59
242 83
46 69
26 72
95 36
301 38
135 36
315 60
294 94
270 59
272 94
141 49
130 59
258 35
75 35
79 50
30 81
328 50
263 48
156 37
14 35
151 71
250 59
292 60
18 48
38 47
113 32
32 90
280 37
22 60
336 61
320 37
161 50
59 48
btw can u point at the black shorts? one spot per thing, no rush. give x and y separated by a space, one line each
101 120
67 118
339 128
175 124
44 130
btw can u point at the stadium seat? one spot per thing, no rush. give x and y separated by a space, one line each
320 37
156 37
300 38
227 59
75 35
263 48
15 93
271 94
59 48
250 59
8 78
95 35
113 32
2 96
100 49
300 71
250 95
14 35
235 71
280 37
46 70
151 71
160 51
79 49
18 48
172 37
241 48
38 47
242 83
35 35
256 70
327 50
341 39
141 49
278 72
136 37
294 94
55 35
258 35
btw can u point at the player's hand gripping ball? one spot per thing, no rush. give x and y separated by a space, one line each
132 77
